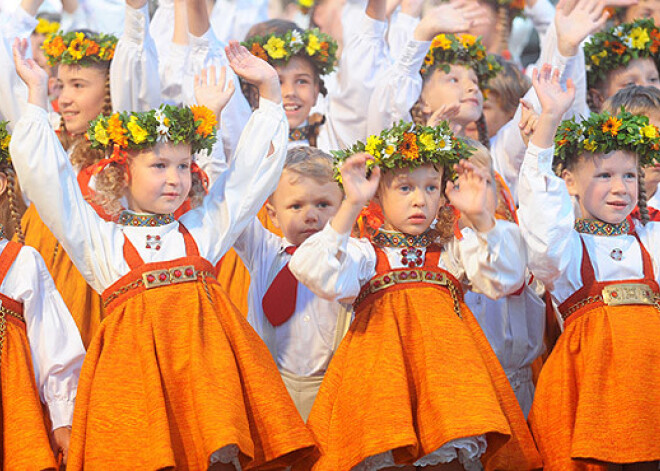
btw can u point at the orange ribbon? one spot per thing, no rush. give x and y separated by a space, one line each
119 157
194 168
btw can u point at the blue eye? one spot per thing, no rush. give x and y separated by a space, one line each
323 205
404 188
295 207
432 188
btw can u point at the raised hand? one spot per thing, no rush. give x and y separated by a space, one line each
254 70
455 16
553 98
444 113
358 187
528 121
468 194
29 71
212 90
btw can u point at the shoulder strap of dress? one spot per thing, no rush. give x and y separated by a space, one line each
587 269
131 254
191 245
646 259
8 257
382 263
432 258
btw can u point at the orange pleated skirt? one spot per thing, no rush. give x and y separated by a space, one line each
232 274
174 374
410 376
24 440
598 395
82 301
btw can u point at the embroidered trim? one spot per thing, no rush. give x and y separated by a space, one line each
595 227
300 134
398 239
619 294
4 312
145 220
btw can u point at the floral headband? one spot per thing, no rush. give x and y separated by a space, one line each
464 49
76 48
318 47
616 47
47 27
305 5
407 145
5 138
604 133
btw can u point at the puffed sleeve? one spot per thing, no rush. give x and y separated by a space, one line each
401 31
363 59
17 23
334 266
546 217
239 192
134 80
233 19
493 262
398 89
172 70
47 177
55 344
251 243
13 91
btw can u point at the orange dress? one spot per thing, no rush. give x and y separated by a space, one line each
24 443
598 395
177 379
413 373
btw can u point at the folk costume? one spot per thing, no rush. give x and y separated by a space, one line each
175 377
597 395
401 371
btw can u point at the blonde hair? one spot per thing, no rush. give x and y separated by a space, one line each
111 186
12 205
508 86
310 162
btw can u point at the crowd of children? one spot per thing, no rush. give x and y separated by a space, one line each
330 235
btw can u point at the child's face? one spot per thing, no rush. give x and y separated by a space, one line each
605 185
410 199
637 72
459 85
644 9
300 89
301 205
496 116
82 96
159 179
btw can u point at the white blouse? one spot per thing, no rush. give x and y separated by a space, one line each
55 344
335 266
553 245
96 246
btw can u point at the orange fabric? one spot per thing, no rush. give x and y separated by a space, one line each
83 302
24 442
232 274
173 376
410 376
598 395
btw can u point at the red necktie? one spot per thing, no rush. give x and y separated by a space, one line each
279 303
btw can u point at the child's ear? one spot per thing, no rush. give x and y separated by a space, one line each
272 213
596 99
571 182
3 183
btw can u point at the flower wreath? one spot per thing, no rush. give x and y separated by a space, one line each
616 47
407 145
77 48
46 27
463 49
305 5
318 47
5 138
604 133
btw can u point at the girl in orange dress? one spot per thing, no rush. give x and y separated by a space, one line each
414 381
597 402
175 377
40 348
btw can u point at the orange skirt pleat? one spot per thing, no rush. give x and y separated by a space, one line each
82 301
598 395
232 274
411 376
25 442
171 378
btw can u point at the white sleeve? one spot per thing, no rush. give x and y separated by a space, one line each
207 50
542 14
172 70
334 266
363 59
239 193
55 344
134 80
401 31
17 24
213 163
47 177
546 216
233 19
398 89
250 244
494 262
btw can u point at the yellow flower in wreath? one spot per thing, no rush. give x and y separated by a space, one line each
206 118
313 45
372 146
76 47
639 37
589 145
100 134
275 48
4 144
138 134
649 131
440 41
427 141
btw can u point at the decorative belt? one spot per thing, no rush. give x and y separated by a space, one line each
621 294
163 277
392 278
4 312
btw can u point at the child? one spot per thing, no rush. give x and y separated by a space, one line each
628 54
174 377
301 330
597 403
398 372
40 348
